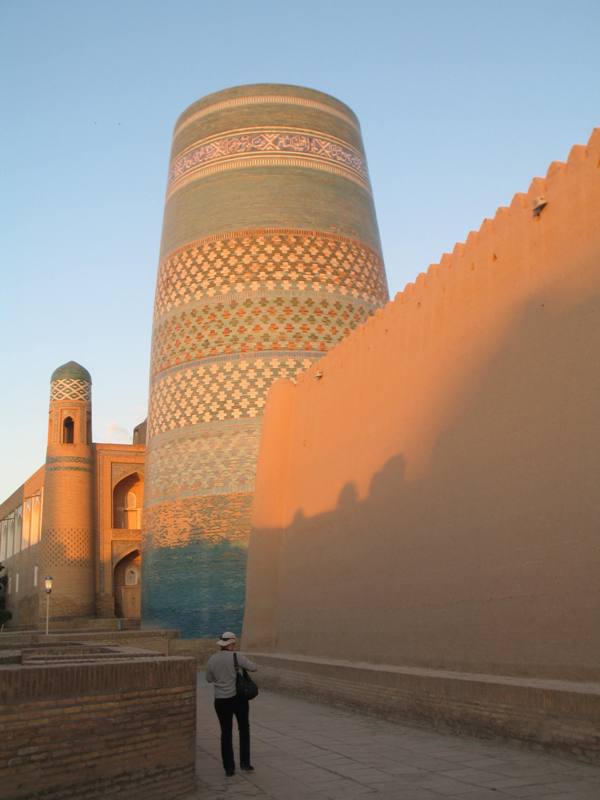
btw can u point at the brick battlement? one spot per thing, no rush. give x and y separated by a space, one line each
513 237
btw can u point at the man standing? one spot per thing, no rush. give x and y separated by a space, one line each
221 671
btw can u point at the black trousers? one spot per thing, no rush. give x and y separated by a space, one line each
226 709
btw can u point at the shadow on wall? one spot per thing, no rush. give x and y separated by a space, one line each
488 561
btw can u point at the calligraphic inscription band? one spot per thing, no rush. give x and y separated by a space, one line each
259 147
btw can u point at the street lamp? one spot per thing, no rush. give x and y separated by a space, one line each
48 588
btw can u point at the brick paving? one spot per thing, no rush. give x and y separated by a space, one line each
306 751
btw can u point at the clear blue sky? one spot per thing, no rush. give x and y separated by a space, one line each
461 104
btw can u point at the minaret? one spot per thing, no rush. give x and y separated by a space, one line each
67 521
270 255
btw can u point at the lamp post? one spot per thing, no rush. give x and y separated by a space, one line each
48 588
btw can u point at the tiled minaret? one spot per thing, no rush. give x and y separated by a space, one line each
67 520
270 255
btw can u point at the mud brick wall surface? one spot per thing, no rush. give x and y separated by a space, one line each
427 494
98 730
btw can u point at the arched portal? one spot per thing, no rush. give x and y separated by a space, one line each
128 496
126 585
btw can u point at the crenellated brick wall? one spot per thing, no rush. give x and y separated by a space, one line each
427 494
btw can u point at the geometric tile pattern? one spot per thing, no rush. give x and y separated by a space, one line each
270 260
70 389
217 390
236 311
255 323
254 147
207 459
233 313
67 547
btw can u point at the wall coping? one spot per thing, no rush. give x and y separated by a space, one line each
45 682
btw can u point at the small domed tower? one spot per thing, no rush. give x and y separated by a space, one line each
67 523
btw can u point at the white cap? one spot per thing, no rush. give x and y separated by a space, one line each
226 639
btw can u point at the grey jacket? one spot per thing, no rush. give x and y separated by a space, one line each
220 670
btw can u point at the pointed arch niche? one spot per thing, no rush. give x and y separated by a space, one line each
128 496
68 431
126 583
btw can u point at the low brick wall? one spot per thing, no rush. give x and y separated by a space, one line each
561 715
98 730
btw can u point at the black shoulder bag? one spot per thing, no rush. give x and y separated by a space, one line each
245 688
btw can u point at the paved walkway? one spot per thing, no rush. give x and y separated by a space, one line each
306 751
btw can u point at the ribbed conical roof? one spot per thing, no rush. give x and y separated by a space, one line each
71 370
